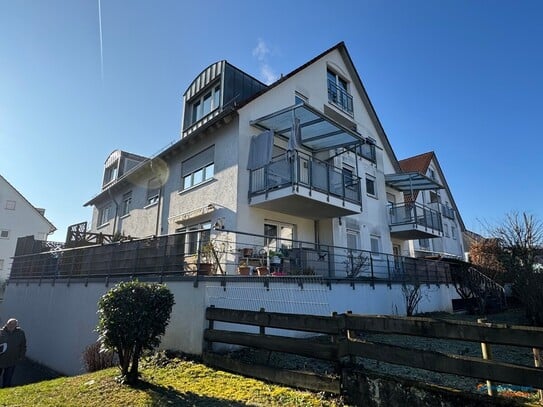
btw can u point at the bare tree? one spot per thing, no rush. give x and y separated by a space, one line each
412 295
520 238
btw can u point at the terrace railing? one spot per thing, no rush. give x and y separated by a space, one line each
182 254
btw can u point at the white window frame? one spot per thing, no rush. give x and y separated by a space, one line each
277 242
103 215
126 203
10 204
371 178
153 191
377 240
446 229
196 234
194 178
197 111
453 232
4 234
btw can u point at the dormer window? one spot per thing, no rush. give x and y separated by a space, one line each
110 174
206 104
337 92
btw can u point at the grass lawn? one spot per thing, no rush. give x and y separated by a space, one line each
173 383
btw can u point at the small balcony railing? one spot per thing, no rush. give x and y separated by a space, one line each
340 97
415 214
298 169
447 212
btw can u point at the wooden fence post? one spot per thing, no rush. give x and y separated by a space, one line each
209 344
537 363
487 355
350 336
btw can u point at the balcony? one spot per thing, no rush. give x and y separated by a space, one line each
340 97
297 184
414 221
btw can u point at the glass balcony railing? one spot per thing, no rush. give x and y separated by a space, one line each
415 214
303 170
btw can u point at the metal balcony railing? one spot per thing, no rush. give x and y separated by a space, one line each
340 97
185 254
415 214
298 169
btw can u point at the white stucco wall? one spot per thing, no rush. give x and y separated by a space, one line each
59 320
22 221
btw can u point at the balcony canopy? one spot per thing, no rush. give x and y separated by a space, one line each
318 132
411 181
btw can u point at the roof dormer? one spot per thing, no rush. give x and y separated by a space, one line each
220 86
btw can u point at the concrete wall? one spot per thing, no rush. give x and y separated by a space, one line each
60 319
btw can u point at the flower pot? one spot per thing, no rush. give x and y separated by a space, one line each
205 269
262 270
244 270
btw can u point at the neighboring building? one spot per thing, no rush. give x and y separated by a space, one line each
18 218
451 242
305 158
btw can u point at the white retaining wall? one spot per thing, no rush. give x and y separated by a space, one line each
59 320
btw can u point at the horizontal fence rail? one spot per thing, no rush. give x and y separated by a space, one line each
343 328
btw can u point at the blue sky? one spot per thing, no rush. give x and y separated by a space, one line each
462 78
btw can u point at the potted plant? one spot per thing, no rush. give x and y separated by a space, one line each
207 259
244 269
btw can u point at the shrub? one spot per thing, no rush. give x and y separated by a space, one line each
132 317
95 358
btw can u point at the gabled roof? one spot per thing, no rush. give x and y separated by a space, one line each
342 49
420 163
39 211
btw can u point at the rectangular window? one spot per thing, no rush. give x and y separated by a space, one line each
353 237
278 235
205 104
10 205
453 232
153 190
434 197
198 169
4 234
110 173
103 215
1 264
375 243
349 180
446 229
127 202
194 237
424 244
370 186
337 92
432 174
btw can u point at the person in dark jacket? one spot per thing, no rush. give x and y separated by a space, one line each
12 349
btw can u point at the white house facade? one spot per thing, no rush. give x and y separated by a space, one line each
18 218
304 158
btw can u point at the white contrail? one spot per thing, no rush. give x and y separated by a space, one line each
101 47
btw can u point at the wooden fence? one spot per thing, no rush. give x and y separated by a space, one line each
344 343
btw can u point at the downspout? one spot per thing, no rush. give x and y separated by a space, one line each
116 210
159 203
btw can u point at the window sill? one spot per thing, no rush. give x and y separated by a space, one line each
103 225
372 196
148 206
207 181
125 216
